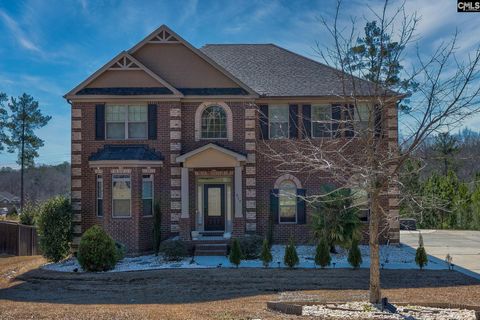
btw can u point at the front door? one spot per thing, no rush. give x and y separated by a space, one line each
214 207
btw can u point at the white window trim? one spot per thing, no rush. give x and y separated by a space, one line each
130 179
198 120
270 121
126 122
323 121
99 180
151 179
277 184
295 206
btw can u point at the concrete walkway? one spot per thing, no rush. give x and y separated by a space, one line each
463 246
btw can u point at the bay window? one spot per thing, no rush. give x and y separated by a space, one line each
121 195
99 190
126 122
147 195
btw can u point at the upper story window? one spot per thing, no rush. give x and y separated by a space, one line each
363 113
321 120
287 194
278 121
126 122
214 123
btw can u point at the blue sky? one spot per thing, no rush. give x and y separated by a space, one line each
49 46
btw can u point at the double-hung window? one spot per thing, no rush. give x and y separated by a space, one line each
321 120
362 116
121 195
147 195
99 196
126 122
278 121
360 201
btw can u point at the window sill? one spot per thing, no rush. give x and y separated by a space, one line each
125 217
288 223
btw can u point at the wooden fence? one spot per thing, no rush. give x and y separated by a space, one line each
17 239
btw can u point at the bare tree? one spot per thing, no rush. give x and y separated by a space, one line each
357 144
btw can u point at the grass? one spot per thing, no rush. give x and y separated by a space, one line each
206 294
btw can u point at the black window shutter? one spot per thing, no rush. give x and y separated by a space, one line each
274 205
336 118
378 121
349 116
307 121
152 122
301 207
293 121
100 122
264 122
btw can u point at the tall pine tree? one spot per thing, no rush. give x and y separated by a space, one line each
3 120
26 117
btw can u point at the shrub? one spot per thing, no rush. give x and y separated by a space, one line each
97 251
354 255
251 246
29 214
55 228
173 250
120 250
421 258
235 253
266 255
336 218
157 223
322 255
291 258
12 214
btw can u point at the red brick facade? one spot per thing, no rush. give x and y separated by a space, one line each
136 231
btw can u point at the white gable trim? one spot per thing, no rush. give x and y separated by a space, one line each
233 154
179 39
121 56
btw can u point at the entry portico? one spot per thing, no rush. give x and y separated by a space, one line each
214 168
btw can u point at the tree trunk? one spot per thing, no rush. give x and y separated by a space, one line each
22 160
375 289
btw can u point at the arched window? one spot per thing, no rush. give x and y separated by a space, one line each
214 123
287 193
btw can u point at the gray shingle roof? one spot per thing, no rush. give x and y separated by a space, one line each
126 152
274 71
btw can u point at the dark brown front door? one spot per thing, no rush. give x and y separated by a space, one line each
214 207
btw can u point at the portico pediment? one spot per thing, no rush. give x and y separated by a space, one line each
211 156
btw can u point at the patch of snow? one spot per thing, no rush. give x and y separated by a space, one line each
391 257
366 310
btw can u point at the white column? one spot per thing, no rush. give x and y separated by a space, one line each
238 192
184 189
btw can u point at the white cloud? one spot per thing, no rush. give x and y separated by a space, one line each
18 33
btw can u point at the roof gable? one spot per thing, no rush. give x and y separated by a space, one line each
122 74
183 65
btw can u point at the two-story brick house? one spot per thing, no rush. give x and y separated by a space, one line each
169 123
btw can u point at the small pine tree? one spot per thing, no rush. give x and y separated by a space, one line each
157 223
235 253
322 256
421 258
291 258
354 255
266 255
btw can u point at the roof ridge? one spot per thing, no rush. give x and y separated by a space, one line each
238 44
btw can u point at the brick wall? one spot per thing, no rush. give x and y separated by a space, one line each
175 136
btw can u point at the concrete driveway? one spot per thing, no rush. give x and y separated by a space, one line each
463 246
